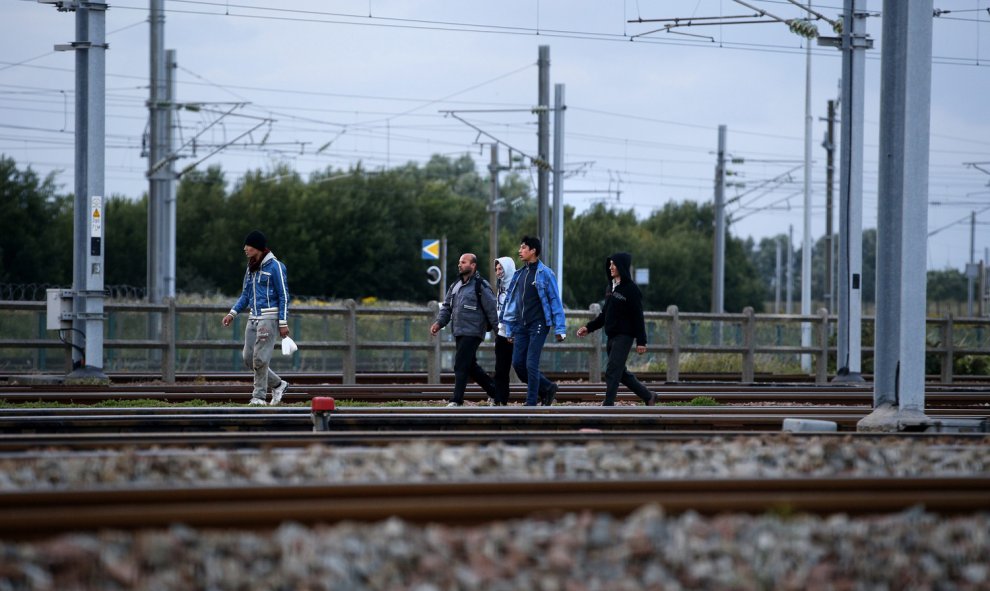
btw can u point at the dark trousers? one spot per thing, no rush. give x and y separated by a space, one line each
466 365
615 372
503 364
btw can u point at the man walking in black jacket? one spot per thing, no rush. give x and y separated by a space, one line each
622 317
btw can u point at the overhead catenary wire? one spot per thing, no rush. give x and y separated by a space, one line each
385 115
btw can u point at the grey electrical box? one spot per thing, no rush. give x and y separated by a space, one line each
59 309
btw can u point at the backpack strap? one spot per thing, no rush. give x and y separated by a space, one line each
481 302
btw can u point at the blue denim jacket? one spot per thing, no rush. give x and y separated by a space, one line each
546 287
266 291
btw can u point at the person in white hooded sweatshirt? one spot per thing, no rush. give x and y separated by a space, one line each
505 268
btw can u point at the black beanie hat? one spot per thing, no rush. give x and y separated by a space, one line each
257 240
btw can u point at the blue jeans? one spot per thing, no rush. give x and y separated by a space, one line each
527 345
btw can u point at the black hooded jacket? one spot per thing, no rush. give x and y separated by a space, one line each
623 309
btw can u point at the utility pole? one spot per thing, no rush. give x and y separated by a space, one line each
161 174
854 42
494 208
718 256
972 264
443 268
829 145
806 248
543 151
557 262
776 300
902 217
88 202
985 284
788 308
718 248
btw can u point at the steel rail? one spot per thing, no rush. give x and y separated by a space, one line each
372 378
90 420
568 393
43 512
53 444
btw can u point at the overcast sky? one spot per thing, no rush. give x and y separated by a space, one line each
335 82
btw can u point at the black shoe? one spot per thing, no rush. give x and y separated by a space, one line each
653 399
608 403
551 394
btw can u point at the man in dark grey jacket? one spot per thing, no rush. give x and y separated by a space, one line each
471 308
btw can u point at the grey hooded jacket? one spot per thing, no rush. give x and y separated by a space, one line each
462 309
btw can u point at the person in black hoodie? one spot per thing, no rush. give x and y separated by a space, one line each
622 317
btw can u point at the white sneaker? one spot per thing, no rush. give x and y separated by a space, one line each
452 404
257 402
277 393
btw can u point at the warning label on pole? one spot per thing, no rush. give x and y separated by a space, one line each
96 217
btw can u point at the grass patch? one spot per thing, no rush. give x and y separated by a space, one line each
696 401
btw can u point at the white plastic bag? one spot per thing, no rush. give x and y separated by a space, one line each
288 346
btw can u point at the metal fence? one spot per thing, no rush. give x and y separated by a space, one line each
349 338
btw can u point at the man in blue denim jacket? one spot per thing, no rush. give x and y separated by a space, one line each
266 295
532 310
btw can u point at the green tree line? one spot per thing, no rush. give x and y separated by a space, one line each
357 233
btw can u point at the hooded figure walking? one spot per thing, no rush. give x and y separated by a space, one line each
622 317
266 295
505 268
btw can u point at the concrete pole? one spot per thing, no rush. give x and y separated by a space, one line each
443 268
972 261
902 217
718 254
543 153
776 299
493 208
88 216
850 311
718 246
829 182
789 272
806 248
157 133
558 187
168 197
985 284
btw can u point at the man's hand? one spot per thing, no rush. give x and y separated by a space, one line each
582 331
560 338
434 329
641 349
283 331
227 319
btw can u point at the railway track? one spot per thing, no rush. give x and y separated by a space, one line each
44 512
400 419
372 378
575 393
